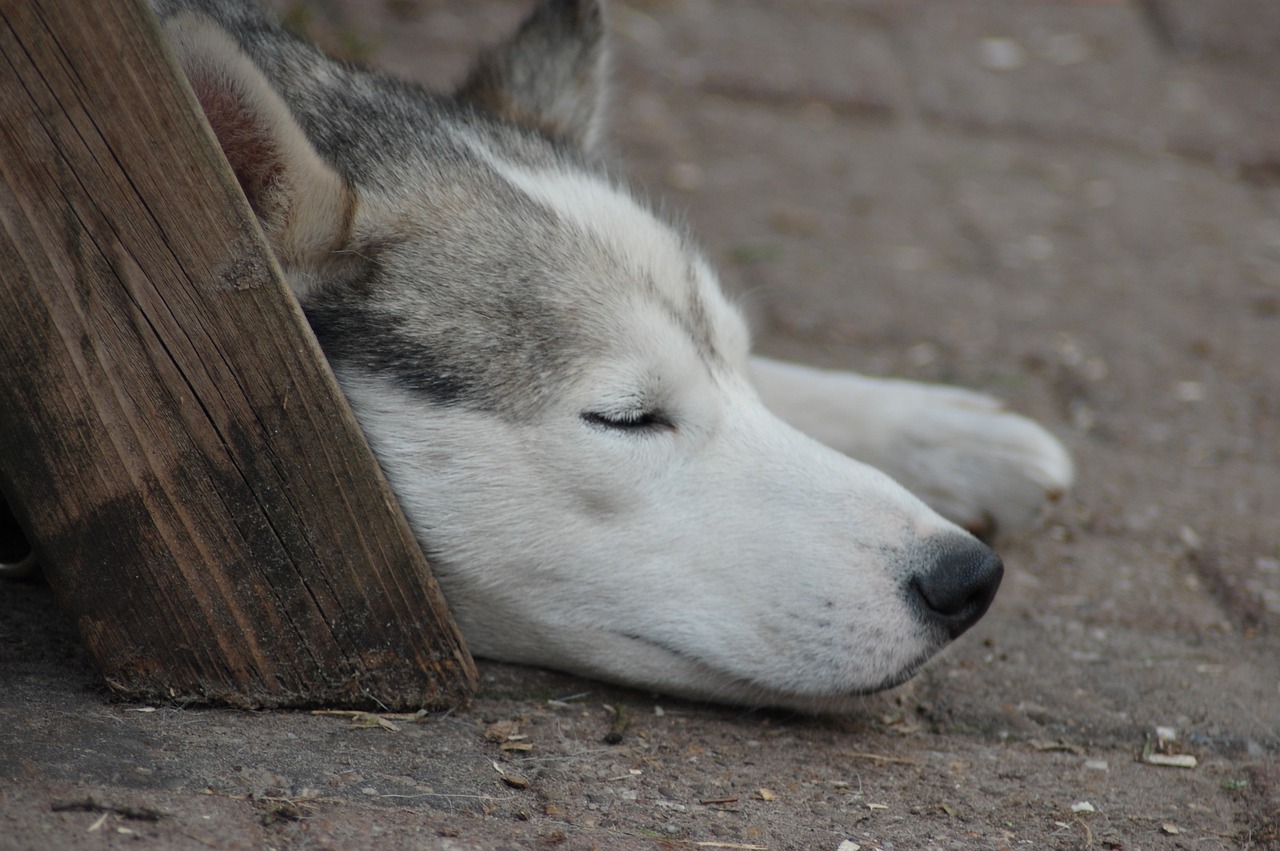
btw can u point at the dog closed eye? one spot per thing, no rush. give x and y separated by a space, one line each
628 421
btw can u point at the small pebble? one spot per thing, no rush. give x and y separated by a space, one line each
1001 54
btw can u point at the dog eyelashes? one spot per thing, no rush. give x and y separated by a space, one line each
628 421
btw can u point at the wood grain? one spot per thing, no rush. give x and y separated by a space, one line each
171 438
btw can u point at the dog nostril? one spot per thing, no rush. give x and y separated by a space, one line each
957 589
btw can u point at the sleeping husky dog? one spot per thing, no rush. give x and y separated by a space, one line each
604 479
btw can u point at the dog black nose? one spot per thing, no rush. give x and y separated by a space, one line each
955 591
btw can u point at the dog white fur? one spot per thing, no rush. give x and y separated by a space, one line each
605 480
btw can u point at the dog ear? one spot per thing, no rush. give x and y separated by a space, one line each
551 75
303 204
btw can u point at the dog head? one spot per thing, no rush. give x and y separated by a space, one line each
557 388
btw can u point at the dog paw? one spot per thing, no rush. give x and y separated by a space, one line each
974 462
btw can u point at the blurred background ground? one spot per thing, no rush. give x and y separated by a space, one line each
1074 205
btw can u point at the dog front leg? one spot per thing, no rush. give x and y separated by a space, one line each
974 462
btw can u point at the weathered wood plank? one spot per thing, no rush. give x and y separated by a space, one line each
197 489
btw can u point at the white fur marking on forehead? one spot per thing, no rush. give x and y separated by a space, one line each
642 240
599 208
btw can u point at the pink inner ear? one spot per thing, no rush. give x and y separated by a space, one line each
245 138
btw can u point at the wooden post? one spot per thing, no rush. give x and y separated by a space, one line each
171 439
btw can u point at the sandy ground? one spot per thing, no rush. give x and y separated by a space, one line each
1073 205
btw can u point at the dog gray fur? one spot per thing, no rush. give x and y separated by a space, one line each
564 400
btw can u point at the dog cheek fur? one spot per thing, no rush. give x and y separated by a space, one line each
542 562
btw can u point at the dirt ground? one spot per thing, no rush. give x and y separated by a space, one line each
1073 205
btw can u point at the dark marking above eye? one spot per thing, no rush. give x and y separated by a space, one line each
634 421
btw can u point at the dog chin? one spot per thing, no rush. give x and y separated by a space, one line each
685 676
